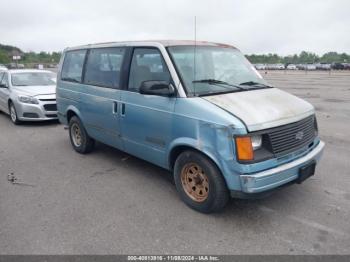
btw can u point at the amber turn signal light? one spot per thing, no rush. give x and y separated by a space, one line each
244 148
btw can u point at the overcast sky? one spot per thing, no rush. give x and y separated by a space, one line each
254 26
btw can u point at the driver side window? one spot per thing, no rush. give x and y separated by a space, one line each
147 64
4 79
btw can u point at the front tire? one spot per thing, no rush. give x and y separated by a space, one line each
13 114
200 183
80 140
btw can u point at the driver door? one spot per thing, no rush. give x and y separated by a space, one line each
146 120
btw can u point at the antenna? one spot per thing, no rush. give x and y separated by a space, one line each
194 54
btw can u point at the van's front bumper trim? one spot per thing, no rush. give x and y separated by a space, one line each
278 176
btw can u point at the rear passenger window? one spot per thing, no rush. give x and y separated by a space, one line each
147 64
73 66
103 67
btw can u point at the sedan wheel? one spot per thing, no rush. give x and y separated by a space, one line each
13 114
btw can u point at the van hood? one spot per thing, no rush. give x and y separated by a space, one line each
36 90
263 108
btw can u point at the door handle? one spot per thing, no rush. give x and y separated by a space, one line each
123 109
115 107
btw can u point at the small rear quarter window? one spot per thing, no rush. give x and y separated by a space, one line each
72 68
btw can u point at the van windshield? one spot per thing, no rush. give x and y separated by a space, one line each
208 70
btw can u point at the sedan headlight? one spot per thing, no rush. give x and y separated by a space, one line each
28 100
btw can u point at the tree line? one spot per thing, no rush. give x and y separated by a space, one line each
303 58
7 52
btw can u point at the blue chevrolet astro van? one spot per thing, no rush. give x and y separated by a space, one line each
198 109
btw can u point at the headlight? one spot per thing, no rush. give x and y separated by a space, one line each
247 146
28 100
256 142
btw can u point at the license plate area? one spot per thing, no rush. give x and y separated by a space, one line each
306 171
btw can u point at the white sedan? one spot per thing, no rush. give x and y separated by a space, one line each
28 95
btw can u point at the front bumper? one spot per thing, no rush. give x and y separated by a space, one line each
36 112
278 176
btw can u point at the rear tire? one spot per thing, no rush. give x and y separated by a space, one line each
200 183
80 140
13 114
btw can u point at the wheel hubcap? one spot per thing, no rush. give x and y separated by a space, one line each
76 135
195 182
13 113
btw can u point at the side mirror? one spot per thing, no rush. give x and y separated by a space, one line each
158 88
3 85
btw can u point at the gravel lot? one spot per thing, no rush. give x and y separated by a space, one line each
108 202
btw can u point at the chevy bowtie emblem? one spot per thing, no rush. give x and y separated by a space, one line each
299 135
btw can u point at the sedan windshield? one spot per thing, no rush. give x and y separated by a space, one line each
33 79
208 70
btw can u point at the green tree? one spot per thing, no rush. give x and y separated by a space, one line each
4 58
308 57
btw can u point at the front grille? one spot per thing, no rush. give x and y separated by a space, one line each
50 107
48 99
291 137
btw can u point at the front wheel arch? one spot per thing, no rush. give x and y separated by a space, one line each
177 150
70 113
9 102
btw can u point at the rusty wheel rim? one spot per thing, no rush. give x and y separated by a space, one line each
195 182
76 135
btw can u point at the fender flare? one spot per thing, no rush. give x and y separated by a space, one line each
73 109
192 144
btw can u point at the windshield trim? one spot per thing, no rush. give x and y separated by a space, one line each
178 72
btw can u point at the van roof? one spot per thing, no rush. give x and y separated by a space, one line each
155 43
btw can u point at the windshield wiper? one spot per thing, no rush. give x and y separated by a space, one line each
217 82
253 83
